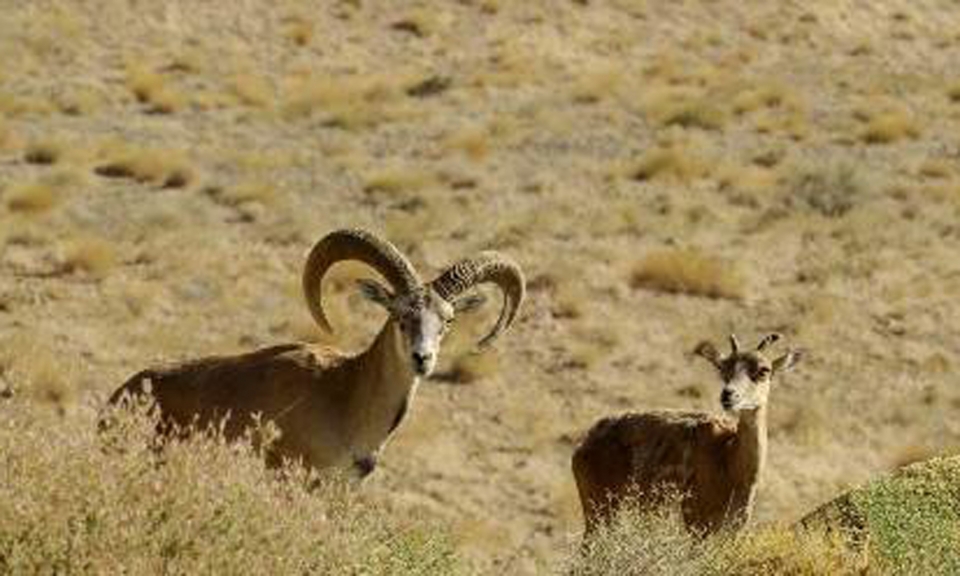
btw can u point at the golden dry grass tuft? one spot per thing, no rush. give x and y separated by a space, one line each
43 152
152 89
398 178
32 198
350 102
675 161
688 272
252 90
164 167
472 141
953 92
36 372
79 101
596 85
764 96
260 192
885 123
7 138
299 30
93 256
683 106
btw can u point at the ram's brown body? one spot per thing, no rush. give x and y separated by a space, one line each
331 409
656 455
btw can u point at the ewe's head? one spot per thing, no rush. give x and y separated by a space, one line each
747 374
422 311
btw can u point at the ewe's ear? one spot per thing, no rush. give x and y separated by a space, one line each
469 304
788 360
375 292
709 352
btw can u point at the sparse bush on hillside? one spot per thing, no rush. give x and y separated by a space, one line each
688 272
655 542
831 190
112 504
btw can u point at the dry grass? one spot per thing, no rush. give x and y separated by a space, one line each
597 84
472 367
688 272
203 507
953 92
935 168
34 371
472 141
582 133
7 138
252 90
673 161
766 96
885 123
641 542
349 102
43 152
166 168
32 198
258 191
398 178
831 190
93 256
80 101
299 30
152 89
681 106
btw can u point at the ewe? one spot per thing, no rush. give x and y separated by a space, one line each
713 463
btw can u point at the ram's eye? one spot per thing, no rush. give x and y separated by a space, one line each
761 373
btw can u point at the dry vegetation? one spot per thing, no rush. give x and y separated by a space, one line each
111 503
664 171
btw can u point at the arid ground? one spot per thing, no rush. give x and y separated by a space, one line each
664 172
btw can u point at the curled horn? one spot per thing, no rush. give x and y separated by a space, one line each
767 341
490 267
734 344
359 245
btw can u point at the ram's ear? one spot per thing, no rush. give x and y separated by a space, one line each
708 351
468 304
788 360
375 292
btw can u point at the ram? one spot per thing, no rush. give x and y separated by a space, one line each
333 410
712 463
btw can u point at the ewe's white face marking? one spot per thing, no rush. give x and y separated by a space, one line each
423 318
746 381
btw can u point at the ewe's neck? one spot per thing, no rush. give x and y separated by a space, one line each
752 442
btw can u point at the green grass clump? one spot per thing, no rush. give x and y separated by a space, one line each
908 523
79 502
